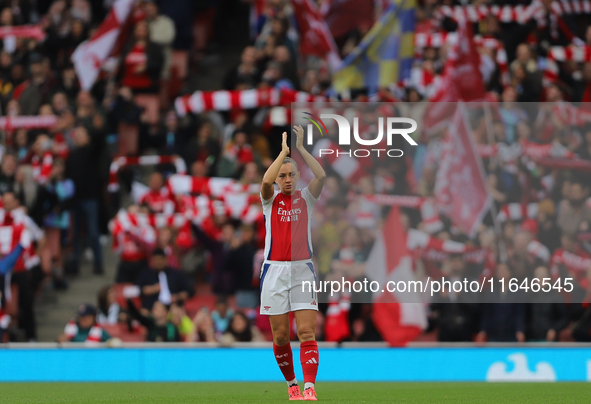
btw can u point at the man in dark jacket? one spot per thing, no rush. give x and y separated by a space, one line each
223 275
503 314
82 169
162 284
547 314
7 173
241 261
455 313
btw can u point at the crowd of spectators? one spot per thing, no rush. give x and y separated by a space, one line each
58 174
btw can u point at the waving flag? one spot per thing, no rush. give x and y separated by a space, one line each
461 81
398 321
90 55
460 189
342 16
385 55
315 37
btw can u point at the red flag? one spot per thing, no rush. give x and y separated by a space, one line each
336 325
315 37
342 16
461 81
460 189
390 260
463 67
90 55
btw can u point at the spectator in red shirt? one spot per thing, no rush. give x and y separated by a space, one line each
41 159
158 199
142 62
129 243
237 153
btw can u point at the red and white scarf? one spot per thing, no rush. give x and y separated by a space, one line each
520 14
557 54
119 162
9 123
23 31
212 186
438 39
517 211
126 245
223 100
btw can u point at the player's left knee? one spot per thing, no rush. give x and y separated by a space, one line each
306 334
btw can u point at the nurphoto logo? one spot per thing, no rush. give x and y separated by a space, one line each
344 135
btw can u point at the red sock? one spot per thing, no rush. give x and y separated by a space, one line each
284 359
309 359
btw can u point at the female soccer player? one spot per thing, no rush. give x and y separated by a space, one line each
288 266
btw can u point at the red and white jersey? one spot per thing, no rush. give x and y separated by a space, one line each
10 237
287 224
159 201
42 167
94 335
13 235
18 217
128 246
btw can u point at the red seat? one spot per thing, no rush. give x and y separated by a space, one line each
198 301
122 332
120 299
139 336
427 337
263 324
112 329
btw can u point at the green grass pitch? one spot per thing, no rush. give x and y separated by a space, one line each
225 393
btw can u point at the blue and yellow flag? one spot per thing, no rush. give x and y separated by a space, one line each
385 55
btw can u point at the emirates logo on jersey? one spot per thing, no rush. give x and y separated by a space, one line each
289 212
289 215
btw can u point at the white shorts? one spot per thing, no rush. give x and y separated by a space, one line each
287 286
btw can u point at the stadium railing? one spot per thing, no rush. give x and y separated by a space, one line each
160 362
